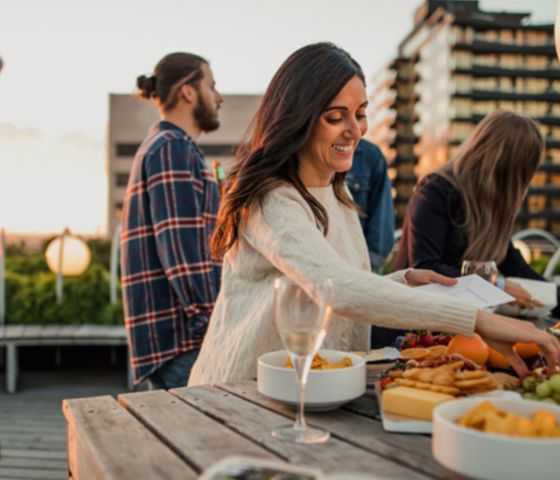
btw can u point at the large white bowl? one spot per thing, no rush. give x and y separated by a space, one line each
490 456
326 389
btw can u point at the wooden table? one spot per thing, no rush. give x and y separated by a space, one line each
178 433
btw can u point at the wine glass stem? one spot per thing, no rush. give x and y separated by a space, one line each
302 366
300 417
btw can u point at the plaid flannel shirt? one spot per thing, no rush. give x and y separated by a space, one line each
169 281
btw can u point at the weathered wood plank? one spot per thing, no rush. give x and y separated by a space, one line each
24 453
106 441
34 463
256 423
366 405
413 451
9 472
161 412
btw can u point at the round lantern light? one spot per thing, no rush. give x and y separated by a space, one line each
72 260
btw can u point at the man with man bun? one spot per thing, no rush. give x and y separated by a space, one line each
169 280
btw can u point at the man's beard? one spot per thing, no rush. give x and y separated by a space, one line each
205 117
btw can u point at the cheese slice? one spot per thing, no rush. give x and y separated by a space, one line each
412 402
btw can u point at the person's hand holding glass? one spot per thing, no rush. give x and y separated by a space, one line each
302 324
485 269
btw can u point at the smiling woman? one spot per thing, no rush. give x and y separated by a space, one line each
287 213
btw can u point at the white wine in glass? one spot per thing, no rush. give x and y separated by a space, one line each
485 269
302 322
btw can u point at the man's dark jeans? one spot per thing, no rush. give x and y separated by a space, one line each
175 373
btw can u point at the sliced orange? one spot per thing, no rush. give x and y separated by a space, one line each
437 351
415 353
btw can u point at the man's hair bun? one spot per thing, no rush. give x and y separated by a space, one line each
146 86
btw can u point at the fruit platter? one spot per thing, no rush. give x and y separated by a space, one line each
436 368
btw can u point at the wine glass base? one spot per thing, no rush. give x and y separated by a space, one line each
291 433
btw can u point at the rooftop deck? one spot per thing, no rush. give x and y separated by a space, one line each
32 427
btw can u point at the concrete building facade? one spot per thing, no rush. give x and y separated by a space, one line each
129 122
458 64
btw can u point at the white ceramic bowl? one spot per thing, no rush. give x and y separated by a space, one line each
489 456
326 389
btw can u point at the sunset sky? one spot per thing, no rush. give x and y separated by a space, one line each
63 57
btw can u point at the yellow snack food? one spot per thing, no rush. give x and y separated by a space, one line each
486 417
320 363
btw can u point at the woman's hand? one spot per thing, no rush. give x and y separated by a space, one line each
501 333
522 297
416 277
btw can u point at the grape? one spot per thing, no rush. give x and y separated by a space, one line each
556 396
529 383
555 382
529 396
548 400
543 389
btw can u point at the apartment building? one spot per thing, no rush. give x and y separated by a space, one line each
458 64
129 121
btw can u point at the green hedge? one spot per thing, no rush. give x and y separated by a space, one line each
31 295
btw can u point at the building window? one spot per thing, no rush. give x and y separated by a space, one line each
508 60
488 83
488 60
462 83
127 149
461 60
219 150
506 36
459 131
121 179
536 62
118 210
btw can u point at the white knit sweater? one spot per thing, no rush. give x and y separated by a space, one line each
283 239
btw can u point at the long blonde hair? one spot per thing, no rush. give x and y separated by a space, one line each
491 172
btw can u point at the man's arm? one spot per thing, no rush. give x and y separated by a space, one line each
380 225
176 191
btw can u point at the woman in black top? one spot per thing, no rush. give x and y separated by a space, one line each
466 210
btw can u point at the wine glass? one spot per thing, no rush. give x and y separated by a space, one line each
485 269
302 322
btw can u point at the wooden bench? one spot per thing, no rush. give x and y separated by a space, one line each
13 336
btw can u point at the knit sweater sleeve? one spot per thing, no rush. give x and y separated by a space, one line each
283 230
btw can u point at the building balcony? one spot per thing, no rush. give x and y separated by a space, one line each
405 180
477 117
549 167
548 190
546 214
498 71
550 96
410 98
481 46
402 159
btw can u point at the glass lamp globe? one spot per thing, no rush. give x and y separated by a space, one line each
76 256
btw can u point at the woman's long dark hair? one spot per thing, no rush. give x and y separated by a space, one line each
297 95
